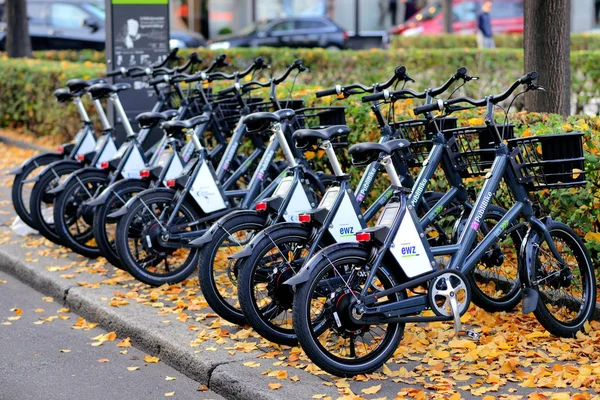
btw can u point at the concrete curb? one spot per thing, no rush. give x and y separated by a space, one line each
148 334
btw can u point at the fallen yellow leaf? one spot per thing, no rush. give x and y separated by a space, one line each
124 343
251 364
372 389
274 386
150 359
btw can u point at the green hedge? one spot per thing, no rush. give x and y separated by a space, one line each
428 66
579 41
26 99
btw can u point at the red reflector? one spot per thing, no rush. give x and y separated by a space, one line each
104 165
304 218
261 206
363 237
144 173
171 183
61 149
80 157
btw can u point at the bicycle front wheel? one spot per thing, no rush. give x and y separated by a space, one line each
567 292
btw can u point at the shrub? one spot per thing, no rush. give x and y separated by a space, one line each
579 41
497 67
26 99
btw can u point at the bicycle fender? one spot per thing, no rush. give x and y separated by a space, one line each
123 210
31 160
72 177
102 197
210 233
52 165
247 250
308 269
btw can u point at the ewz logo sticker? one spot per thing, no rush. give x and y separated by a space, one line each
409 251
347 231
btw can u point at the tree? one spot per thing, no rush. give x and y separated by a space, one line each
18 42
547 51
448 16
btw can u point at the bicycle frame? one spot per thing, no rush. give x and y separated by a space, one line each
464 256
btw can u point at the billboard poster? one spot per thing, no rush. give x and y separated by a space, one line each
137 35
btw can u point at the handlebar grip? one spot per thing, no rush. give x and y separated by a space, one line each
137 74
259 62
426 108
173 54
461 72
227 91
116 72
157 81
327 92
529 77
374 97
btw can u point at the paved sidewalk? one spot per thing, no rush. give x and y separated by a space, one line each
43 356
514 359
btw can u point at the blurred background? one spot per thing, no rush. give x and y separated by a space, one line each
333 24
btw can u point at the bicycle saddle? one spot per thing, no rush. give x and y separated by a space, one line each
174 128
365 153
102 90
310 137
147 120
260 121
78 86
63 95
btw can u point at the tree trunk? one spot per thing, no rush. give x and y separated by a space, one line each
18 42
448 16
547 51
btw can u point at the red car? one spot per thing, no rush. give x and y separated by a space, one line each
506 16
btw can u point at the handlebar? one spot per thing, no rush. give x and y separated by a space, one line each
358 88
258 63
527 79
461 73
172 56
246 87
218 62
298 64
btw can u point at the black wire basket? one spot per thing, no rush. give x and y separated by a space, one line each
320 117
472 148
549 161
418 132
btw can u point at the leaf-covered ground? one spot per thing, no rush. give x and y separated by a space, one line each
514 359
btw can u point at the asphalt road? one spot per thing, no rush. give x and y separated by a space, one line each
52 360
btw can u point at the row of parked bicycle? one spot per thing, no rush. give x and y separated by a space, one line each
295 253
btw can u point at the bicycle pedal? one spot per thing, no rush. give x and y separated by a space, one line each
466 334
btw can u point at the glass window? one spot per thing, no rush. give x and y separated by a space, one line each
508 9
283 26
465 12
309 24
67 16
36 14
96 9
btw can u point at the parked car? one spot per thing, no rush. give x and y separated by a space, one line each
506 16
73 24
287 32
